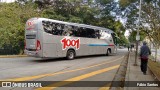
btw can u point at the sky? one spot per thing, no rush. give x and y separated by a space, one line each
7 1
127 33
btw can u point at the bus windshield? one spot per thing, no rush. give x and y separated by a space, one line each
114 38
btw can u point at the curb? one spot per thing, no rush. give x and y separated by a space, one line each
119 78
127 72
12 56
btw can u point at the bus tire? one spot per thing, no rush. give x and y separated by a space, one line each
70 54
108 52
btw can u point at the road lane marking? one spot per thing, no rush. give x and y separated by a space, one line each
106 87
57 73
78 78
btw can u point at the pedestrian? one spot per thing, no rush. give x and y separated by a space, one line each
128 46
144 53
132 46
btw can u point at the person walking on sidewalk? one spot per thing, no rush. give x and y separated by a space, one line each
128 46
144 53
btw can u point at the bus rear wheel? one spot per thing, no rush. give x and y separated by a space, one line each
70 54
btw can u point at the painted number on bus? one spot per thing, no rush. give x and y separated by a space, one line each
70 43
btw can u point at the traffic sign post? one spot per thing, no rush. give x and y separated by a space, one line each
137 38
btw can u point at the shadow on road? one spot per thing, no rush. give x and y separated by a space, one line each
44 60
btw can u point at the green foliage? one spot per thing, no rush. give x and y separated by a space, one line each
149 23
132 37
125 3
148 1
122 40
13 17
12 23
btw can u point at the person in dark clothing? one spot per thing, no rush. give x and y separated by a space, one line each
128 46
132 46
144 53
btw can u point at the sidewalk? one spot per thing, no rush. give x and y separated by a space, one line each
134 73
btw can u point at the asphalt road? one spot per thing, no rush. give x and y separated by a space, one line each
64 72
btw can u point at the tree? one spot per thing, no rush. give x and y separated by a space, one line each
151 22
92 12
12 25
149 25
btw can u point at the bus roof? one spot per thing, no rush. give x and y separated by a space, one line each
77 24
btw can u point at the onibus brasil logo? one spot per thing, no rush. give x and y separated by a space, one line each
70 43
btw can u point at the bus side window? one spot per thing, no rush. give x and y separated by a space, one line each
91 33
77 31
47 27
104 35
61 29
53 28
58 29
82 32
74 30
97 34
68 30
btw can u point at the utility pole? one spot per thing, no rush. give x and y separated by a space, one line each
138 36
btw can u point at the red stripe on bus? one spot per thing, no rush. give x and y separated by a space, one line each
30 28
111 45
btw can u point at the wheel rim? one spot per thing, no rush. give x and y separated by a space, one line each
71 55
108 52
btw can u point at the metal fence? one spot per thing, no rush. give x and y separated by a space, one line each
11 51
8 51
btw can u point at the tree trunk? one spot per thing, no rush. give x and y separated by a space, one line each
150 44
156 47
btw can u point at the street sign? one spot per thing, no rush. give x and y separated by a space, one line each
137 37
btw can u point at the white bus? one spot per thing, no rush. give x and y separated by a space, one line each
47 38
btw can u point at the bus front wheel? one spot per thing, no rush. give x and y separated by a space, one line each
70 54
108 52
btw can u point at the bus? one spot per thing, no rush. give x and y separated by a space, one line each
47 38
